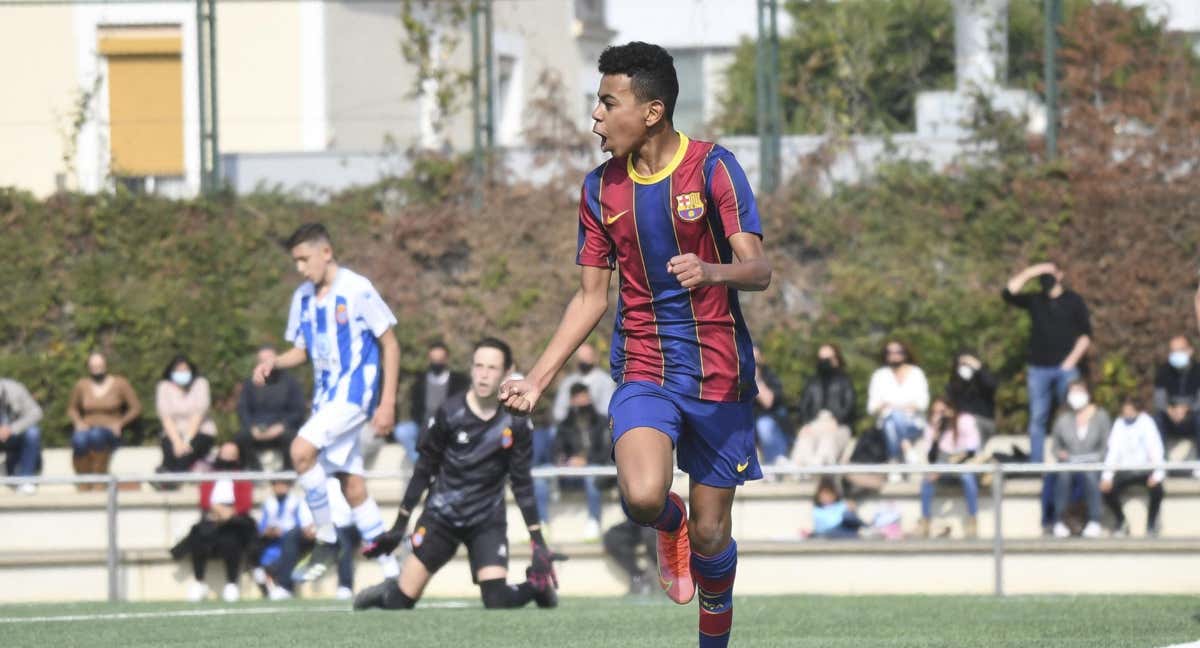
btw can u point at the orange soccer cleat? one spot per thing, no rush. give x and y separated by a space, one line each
675 559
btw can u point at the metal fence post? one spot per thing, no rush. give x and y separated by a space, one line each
114 593
998 532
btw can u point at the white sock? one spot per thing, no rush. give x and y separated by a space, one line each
368 519
317 497
391 566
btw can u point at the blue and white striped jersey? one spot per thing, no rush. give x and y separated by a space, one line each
339 333
285 515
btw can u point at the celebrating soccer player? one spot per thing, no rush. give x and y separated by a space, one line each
469 451
678 219
339 321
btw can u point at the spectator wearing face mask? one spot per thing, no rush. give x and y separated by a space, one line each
898 397
1080 436
429 390
182 400
1059 338
1134 440
951 439
588 372
827 410
102 406
225 529
583 439
972 393
1177 400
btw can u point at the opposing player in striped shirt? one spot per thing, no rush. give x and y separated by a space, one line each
339 322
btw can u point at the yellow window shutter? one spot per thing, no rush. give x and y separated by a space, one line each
145 100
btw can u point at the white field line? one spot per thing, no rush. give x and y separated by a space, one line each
126 616
1194 644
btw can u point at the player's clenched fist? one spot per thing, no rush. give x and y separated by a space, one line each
691 271
519 396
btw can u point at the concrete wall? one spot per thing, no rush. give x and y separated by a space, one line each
38 50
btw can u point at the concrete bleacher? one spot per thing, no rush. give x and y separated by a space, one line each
55 543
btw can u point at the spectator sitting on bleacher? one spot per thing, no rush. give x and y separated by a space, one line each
225 529
182 401
972 393
622 542
429 390
284 529
833 517
770 414
20 438
1177 400
583 439
1134 440
269 414
898 397
102 405
587 371
1080 436
827 410
951 439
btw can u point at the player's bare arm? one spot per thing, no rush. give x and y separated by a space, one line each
583 313
751 271
385 413
290 359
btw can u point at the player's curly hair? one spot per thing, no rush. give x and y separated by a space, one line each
651 69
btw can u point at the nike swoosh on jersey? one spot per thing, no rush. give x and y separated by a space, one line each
613 218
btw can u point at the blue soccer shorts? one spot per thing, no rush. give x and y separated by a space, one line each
714 441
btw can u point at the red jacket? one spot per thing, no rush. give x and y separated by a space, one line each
243 496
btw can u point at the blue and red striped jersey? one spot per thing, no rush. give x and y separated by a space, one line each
692 342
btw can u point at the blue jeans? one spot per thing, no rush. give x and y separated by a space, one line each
94 439
543 446
22 451
897 427
1047 385
771 439
407 433
594 498
970 493
347 540
1067 484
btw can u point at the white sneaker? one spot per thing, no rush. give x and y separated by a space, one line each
1092 530
343 594
27 488
230 593
895 478
277 593
260 576
591 531
197 592
1061 530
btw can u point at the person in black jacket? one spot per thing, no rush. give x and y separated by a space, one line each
770 414
972 393
429 390
269 414
1177 400
583 439
473 447
827 411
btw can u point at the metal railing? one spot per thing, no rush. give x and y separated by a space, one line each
998 471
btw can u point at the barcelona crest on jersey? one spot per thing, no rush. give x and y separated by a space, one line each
689 206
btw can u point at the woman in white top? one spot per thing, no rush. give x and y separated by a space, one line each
898 397
1135 440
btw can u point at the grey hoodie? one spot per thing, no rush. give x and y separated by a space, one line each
18 410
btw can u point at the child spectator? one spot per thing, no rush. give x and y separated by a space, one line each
1134 440
833 517
951 439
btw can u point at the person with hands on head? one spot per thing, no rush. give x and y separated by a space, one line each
338 321
679 219
468 453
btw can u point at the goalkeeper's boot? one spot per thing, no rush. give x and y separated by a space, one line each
385 595
316 563
675 560
544 593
